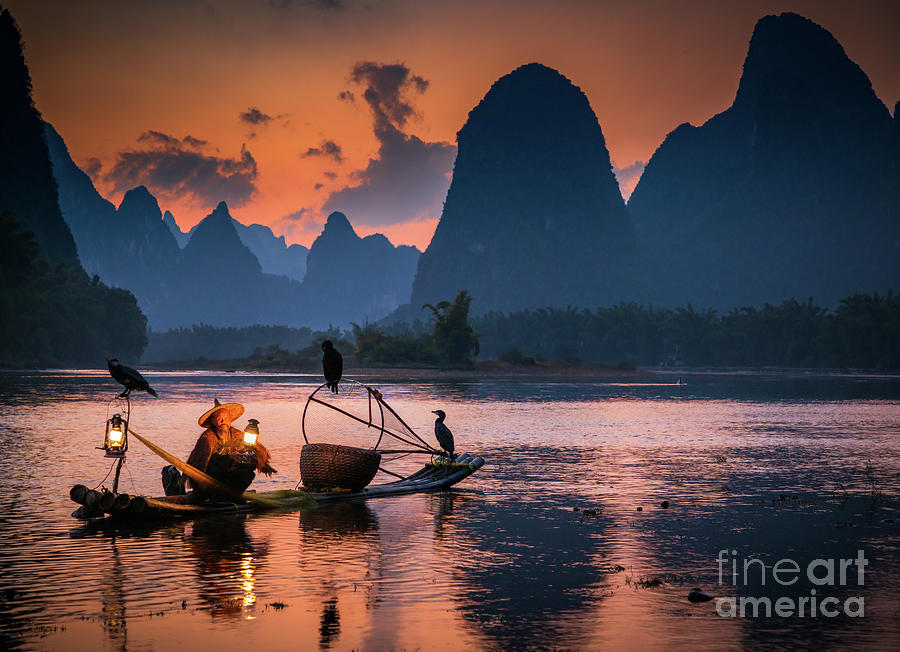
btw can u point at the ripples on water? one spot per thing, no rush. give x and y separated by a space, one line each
770 466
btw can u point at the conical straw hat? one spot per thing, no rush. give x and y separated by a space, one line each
234 411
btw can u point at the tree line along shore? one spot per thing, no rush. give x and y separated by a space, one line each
862 332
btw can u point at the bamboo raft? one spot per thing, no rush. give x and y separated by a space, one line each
434 476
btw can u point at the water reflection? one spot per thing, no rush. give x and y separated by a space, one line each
353 529
330 625
765 467
528 578
114 616
228 560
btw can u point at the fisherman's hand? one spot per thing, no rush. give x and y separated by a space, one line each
267 470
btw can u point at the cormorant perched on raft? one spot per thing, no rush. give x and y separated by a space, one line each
443 434
332 365
128 377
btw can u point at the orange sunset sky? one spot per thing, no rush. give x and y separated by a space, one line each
272 105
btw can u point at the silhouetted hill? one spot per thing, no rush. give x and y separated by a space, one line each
51 312
27 187
272 252
786 193
534 216
90 217
353 279
180 236
221 282
129 247
149 253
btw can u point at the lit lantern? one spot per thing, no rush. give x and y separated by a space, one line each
116 442
251 432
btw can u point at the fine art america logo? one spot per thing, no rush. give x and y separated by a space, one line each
822 573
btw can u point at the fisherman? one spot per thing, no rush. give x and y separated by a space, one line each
221 452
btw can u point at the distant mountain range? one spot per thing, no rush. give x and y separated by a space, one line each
367 277
273 253
794 190
224 273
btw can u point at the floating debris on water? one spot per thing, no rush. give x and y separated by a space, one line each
655 581
699 595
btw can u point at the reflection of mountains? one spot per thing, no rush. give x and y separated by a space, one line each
530 574
758 522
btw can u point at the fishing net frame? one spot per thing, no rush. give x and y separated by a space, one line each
378 415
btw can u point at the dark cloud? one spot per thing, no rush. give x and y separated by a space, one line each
408 178
387 86
180 168
301 226
331 175
298 216
628 177
347 96
318 186
328 148
92 166
253 116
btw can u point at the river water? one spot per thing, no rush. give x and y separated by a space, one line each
757 470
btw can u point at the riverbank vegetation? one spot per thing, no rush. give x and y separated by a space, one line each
863 332
55 315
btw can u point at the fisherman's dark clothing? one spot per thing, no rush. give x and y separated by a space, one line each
226 461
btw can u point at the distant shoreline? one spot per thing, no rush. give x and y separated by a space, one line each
494 370
487 369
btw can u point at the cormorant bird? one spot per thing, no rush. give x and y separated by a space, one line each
443 434
128 377
332 365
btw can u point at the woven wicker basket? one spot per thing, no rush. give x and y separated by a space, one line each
326 466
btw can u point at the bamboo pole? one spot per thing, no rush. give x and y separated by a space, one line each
417 451
137 505
107 498
203 478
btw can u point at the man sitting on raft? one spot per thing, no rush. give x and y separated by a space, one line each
221 452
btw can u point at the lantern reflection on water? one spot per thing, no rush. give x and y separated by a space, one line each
248 583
